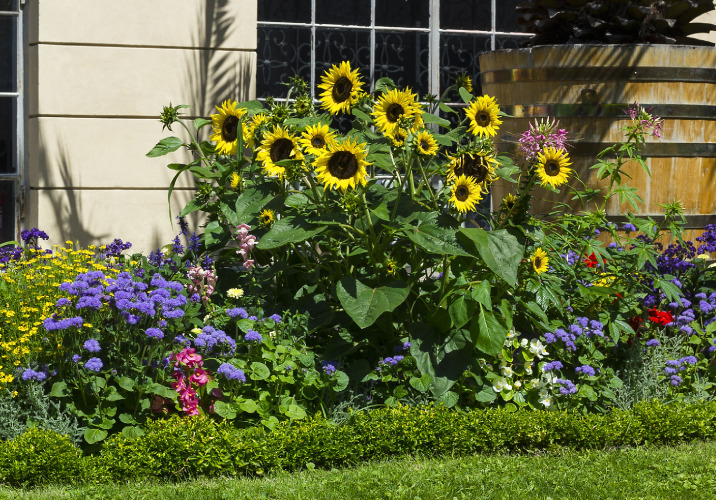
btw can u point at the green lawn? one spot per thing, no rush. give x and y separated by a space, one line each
681 472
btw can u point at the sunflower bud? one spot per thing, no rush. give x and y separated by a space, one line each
169 115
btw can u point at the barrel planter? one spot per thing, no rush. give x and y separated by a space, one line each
588 88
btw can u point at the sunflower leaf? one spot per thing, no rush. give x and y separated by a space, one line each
200 123
437 240
466 96
488 332
500 250
165 146
365 304
430 118
288 230
446 109
251 202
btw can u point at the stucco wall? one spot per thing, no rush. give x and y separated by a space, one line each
99 73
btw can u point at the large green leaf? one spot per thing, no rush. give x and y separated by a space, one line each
488 332
501 251
251 202
165 146
288 230
215 235
93 436
437 240
365 304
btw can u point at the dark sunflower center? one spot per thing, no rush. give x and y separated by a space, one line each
343 165
462 192
424 145
342 89
317 142
509 205
394 112
266 218
229 128
281 150
482 118
538 262
551 168
472 167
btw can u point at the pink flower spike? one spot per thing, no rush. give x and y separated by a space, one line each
249 264
200 377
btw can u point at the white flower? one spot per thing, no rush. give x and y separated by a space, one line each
235 293
517 384
500 384
507 371
528 369
549 378
537 348
535 383
523 343
545 398
511 334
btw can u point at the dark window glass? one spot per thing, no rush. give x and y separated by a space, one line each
402 13
8 134
8 53
8 5
282 53
7 211
287 11
509 42
506 13
466 14
404 58
356 13
460 54
334 46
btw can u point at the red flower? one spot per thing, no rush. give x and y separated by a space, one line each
660 317
591 261
636 322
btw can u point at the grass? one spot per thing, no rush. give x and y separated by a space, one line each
684 472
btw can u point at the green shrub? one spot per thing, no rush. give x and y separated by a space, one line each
40 456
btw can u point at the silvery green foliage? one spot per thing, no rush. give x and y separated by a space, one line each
35 409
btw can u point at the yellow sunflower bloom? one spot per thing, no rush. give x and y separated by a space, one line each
341 88
398 137
343 165
225 127
316 138
481 167
509 201
394 105
552 167
540 261
483 113
426 143
251 136
276 146
267 217
465 194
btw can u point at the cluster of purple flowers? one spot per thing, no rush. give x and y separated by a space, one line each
30 374
10 252
31 236
91 345
114 249
211 340
54 322
586 370
404 347
542 135
231 372
561 334
391 360
94 364
581 327
552 365
566 386
329 367
674 366
253 336
239 312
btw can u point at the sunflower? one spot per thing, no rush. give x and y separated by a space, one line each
484 116
509 201
341 88
479 166
226 126
267 217
316 138
251 130
426 143
393 106
540 261
276 146
462 80
552 167
234 180
398 137
343 165
465 194
391 267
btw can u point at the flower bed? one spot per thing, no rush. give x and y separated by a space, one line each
344 264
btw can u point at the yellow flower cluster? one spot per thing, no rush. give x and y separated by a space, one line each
29 290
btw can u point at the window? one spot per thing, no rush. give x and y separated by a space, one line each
420 44
11 117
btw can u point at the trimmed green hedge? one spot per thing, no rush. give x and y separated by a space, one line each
181 448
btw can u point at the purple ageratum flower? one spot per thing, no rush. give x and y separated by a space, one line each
653 343
276 318
567 386
154 333
30 374
329 367
553 365
231 372
55 323
253 336
629 227
91 345
586 370
675 380
237 312
63 302
94 364
550 338
76 358
253 318
210 339
688 360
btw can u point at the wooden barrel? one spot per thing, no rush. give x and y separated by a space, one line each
588 88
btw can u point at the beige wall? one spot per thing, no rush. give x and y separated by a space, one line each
99 73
